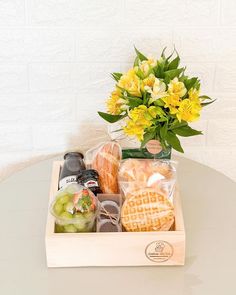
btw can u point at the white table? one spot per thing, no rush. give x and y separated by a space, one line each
209 204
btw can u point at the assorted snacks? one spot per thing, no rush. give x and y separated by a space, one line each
94 202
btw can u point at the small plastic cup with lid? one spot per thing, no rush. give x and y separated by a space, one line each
75 209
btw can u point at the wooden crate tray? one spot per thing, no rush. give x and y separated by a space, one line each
115 248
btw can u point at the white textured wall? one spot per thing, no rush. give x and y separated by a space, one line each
56 56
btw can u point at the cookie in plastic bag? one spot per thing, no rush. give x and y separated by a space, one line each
147 210
141 173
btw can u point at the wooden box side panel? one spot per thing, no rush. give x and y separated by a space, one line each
53 189
124 249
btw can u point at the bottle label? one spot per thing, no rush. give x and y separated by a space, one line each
67 180
90 183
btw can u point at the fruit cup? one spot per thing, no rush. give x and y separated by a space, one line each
75 209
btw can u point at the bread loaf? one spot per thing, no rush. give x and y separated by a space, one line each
106 162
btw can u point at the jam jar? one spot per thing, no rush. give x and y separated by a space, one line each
89 178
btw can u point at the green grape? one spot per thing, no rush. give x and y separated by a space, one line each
59 228
71 188
79 221
66 215
60 194
91 227
78 216
70 228
58 208
89 215
81 227
64 199
69 207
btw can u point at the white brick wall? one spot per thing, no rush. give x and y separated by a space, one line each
56 56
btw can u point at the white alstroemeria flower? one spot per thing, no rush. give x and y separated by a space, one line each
123 104
157 91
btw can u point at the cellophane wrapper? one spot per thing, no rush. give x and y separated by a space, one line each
148 190
105 159
148 173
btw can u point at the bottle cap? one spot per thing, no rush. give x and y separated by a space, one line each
74 154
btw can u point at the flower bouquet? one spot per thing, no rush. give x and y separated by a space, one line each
156 100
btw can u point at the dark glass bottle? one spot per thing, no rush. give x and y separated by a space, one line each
72 167
90 179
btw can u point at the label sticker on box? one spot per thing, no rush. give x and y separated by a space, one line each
159 251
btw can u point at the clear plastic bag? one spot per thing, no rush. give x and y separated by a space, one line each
105 159
147 186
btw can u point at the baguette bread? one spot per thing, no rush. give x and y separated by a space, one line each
106 162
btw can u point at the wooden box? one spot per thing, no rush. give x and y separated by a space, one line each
114 249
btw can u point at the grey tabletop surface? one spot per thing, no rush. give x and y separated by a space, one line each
209 205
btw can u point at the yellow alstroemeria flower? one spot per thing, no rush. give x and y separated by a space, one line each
141 116
130 82
146 65
116 104
176 88
133 129
157 91
193 95
153 111
172 102
188 111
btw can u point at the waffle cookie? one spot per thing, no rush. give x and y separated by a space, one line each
147 210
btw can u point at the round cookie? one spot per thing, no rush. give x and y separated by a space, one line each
147 210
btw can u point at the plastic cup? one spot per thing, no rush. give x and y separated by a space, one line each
75 209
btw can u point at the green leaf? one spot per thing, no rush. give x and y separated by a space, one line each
174 63
140 55
140 74
205 97
136 61
117 130
171 74
162 119
178 124
159 71
147 136
189 83
203 104
170 55
111 118
173 140
145 99
134 101
116 76
159 102
186 131
163 52
163 131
